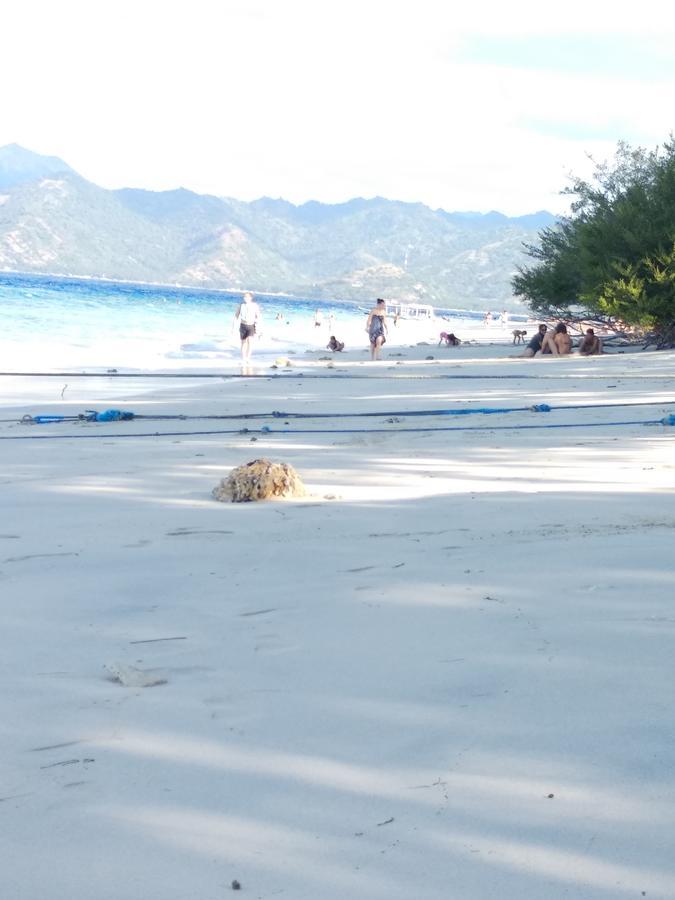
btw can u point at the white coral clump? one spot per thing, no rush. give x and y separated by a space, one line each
260 479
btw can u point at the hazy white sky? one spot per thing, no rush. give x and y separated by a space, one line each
483 105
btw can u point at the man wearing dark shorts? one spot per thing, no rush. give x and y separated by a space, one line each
248 315
535 344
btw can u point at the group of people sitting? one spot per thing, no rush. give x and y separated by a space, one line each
557 342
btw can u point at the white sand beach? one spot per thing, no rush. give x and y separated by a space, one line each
445 674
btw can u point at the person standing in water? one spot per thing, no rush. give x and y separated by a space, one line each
248 315
376 326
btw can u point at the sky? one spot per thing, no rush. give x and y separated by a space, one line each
491 106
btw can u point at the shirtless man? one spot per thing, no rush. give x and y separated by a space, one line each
591 344
248 315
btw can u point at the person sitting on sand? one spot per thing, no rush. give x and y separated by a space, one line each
591 345
451 340
376 326
335 345
534 346
557 343
519 335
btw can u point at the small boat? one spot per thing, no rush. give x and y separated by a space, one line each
409 310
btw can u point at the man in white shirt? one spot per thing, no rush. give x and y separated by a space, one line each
248 314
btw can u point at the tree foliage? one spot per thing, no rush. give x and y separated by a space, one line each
614 255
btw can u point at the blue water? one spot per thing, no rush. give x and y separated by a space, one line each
132 324
69 321
54 304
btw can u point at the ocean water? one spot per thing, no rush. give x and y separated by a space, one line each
60 323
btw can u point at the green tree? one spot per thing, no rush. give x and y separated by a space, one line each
614 255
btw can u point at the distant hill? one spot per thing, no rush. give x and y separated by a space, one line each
54 221
18 165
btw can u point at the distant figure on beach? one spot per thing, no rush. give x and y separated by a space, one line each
318 319
248 315
504 319
450 340
534 346
591 345
487 319
557 343
376 326
279 317
519 335
330 321
397 316
335 345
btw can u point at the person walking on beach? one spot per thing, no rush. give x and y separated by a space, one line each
248 315
376 326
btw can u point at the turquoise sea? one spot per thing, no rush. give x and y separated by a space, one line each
64 322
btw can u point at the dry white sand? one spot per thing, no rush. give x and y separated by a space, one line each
452 680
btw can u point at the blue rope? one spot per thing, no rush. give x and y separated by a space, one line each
667 420
115 415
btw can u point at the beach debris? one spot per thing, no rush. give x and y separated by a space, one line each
55 746
386 822
282 361
260 479
70 762
236 886
65 388
428 357
130 676
62 762
393 420
157 640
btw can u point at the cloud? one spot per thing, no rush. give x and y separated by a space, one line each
622 56
480 107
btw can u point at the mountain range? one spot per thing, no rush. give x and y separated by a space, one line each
54 221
